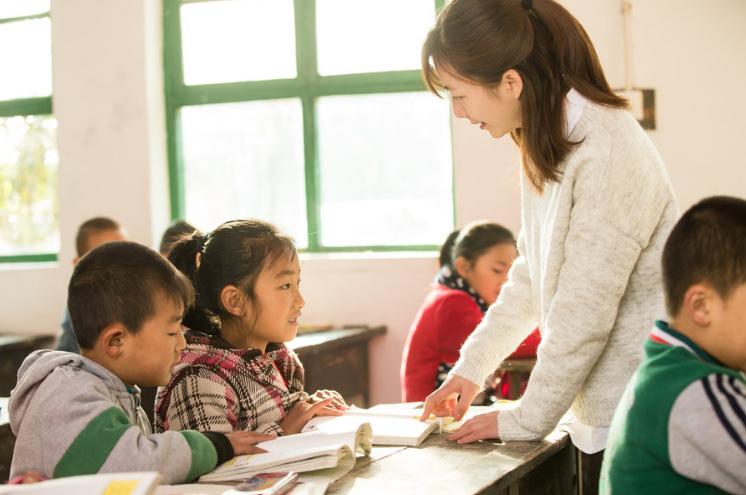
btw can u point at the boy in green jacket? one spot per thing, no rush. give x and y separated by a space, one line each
681 424
80 414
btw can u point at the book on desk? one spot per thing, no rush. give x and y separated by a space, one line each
317 455
327 447
391 426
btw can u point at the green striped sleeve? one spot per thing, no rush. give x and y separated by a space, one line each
90 449
204 456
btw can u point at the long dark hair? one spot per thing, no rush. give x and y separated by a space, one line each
235 253
482 39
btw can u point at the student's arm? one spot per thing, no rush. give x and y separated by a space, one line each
707 433
203 401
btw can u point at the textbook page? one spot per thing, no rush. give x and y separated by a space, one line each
316 455
132 483
394 427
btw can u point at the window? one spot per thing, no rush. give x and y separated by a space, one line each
29 226
310 114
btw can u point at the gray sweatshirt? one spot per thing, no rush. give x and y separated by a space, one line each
72 416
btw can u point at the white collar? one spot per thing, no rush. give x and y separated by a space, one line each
574 105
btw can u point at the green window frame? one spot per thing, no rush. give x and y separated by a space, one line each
308 85
27 107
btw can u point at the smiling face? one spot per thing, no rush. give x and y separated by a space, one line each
279 304
496 110
152 352
489 272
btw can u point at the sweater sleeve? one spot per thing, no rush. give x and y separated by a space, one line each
111 443
505 325
707 433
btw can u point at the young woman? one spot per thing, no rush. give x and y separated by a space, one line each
236 373
597 207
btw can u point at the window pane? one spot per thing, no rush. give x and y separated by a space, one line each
15 8
355 37
385 167
28 186
245 160
27 67
242 40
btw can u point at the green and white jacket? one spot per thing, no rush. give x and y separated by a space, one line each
72 416
680 426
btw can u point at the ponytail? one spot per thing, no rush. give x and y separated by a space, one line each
183 254
480 40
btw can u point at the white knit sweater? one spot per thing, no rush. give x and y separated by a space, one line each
588 274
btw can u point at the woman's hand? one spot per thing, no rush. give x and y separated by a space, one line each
480 427
337 402
446 401
243 441
302 412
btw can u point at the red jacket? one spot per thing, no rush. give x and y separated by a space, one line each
445 320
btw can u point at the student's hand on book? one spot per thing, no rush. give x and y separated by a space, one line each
243 441
480 427
337 402
446 401
302 412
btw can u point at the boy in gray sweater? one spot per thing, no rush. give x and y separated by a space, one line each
80 414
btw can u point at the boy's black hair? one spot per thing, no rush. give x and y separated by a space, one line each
89 227
708 244
121 282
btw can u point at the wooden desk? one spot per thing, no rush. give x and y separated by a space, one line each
441 466
338 360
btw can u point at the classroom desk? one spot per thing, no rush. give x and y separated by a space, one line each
338 360
441 466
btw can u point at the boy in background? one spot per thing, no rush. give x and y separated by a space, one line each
91 233
79 414
681 424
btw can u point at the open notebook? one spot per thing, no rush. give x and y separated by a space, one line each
391 425
317 455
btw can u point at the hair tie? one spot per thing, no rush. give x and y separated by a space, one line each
200 239
527 4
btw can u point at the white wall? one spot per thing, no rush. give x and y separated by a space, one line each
109 105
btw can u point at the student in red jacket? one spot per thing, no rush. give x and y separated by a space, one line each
474 266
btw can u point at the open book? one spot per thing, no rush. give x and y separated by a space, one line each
316 455
133 483
391 425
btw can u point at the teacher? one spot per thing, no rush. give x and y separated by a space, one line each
596 209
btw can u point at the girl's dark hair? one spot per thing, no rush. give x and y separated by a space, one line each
479 40
444 257
473 240
235 253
